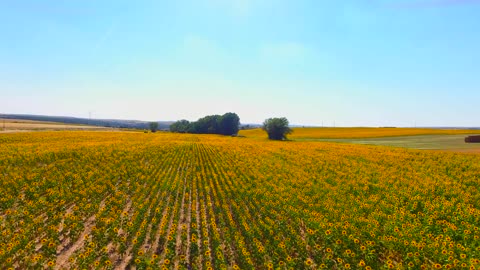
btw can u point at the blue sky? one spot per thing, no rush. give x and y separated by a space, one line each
352 62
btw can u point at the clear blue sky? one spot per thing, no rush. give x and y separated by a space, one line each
355 62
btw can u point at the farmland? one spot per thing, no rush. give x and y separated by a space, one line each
21 125
116 200
415 138
454 143
358 133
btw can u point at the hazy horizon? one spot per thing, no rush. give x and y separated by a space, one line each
353 63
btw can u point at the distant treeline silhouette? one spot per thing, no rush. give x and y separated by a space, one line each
227 124
114 123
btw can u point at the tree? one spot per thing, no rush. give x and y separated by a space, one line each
229 124
181 126
277 128
208 124
153 126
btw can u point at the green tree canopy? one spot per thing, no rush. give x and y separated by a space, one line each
277 128
227 124
181 126
153 126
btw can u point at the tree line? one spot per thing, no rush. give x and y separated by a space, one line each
227 124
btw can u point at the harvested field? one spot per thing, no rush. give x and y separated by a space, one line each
454 143
17 125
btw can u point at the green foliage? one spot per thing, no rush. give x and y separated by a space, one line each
227 124
153 126
181 126
277 128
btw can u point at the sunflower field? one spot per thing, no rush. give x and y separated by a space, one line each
128 200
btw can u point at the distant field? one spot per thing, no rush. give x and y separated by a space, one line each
429 142
349 133
17 125
415 138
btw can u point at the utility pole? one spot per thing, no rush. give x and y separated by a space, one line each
3 117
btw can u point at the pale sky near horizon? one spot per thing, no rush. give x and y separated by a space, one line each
352 62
